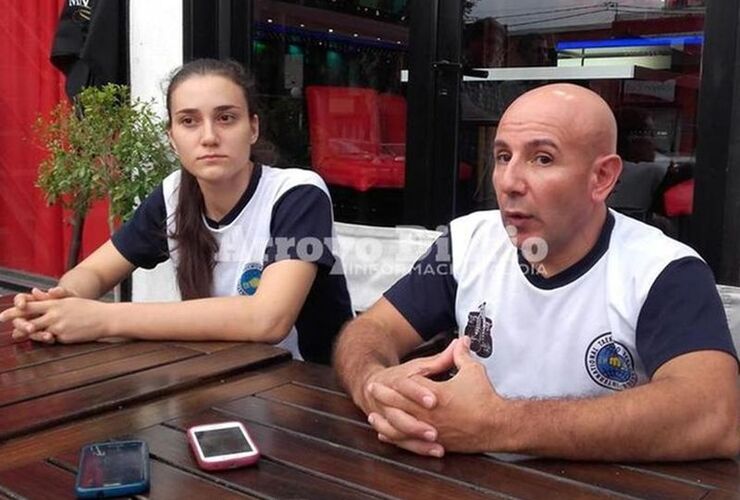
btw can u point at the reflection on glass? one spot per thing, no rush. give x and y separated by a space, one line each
642 56
327 74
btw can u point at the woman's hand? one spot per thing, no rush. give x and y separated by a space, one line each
21 317
65 320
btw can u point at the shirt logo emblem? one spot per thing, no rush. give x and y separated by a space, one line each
479 331
250 278
610 363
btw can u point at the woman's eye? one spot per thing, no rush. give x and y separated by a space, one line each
187 120
502 157
227 118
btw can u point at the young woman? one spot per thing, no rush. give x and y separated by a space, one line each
251 244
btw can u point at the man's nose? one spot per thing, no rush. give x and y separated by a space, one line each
509 178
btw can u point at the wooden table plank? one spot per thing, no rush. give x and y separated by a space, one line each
26 354
83 361
166 481
687 479
723 474
27 449
55 409
97 373
38 480
475 470
267 478
354 469
619 479
206 347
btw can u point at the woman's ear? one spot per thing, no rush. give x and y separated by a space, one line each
255 125
172 143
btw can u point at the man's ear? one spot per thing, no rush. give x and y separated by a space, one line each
605 176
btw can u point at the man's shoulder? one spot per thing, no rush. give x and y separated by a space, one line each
633 238
639 253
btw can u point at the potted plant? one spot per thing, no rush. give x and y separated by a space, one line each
104 145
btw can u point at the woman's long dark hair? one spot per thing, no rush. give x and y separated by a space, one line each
196 245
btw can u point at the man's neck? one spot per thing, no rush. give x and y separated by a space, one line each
581 244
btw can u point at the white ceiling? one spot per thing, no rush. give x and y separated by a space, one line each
550 15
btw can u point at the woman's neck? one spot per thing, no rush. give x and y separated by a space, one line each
220 197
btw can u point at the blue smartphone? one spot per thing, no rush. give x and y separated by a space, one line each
112 469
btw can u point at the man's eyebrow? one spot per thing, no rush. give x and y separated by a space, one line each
534 143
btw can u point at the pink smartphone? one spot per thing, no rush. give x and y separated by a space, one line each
225 445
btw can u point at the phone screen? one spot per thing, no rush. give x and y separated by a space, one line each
112 464
222 442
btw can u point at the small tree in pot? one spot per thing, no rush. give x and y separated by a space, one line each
105 146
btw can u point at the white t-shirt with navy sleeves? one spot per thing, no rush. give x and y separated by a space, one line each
280 209
635 301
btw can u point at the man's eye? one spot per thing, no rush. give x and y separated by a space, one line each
542 160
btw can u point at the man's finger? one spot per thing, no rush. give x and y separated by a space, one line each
398 425
419 447
409 426
411 389
461 353
439 362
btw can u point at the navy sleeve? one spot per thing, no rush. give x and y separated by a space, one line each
426 295
143 239
301 227
682 313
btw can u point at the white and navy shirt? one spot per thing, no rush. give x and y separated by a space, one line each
635 301
283 214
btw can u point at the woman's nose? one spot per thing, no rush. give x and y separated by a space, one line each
209 133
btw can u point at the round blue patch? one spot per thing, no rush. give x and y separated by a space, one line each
610 363
250 279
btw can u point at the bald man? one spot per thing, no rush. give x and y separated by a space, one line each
583 334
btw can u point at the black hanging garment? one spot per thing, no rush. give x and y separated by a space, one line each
90 44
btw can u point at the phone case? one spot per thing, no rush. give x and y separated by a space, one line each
221 464
97 470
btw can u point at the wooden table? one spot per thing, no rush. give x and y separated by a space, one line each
315 443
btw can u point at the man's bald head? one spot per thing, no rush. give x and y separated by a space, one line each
582 113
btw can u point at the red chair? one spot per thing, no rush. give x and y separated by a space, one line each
392 119
344 125
679 199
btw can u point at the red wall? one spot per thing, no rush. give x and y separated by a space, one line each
33 237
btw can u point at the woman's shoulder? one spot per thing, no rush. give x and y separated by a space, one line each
292 177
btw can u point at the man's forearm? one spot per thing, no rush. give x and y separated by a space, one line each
657 421
362 349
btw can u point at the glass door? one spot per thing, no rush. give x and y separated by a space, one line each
328 75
